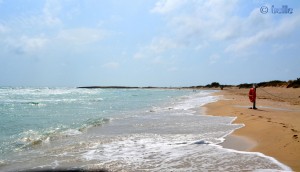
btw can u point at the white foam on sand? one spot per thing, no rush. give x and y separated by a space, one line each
175 153
196 100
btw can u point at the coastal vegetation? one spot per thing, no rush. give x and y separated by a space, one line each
273 83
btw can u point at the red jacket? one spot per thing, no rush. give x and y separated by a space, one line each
252 94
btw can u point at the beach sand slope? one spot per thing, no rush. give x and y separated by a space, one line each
273 129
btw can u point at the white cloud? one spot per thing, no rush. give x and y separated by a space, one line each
81 35
166 6
158 46
201 20
138 55
236 27
111 65
271 32
51 9
48 17
34 22
204 24
26 44
3 29
33 43
231 30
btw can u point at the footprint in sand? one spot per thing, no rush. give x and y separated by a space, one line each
293 130
283 125
295 136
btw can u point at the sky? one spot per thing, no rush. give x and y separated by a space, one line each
147 42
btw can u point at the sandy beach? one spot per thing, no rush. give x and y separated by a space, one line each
272 129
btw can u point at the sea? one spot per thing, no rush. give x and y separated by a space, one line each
118 130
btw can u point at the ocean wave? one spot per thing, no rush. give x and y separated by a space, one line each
195 101
36 103
29 138
96 100
93 123
32 137
16 91
71 132
2 163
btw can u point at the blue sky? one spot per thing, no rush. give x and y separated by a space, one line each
147 42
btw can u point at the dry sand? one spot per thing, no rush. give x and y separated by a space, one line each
273 129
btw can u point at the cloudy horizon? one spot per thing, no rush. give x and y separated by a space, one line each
147 43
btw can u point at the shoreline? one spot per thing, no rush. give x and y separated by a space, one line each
273 129
239 143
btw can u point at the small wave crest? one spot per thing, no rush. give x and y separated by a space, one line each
96 100
33 138
2 163
93 123
34 103
29 138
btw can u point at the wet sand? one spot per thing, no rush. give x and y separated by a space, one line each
272 129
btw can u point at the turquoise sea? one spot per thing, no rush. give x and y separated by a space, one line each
118 130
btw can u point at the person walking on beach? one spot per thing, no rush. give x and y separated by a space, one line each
252 96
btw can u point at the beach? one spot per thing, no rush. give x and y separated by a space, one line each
123 130
273 129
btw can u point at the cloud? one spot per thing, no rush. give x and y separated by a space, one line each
50 11
34 43
231 30
219 25
166 6
47 17
81 36
111 65
31 44
157 46
30 32
3 29
273 31
162 44
236 27
199 20
25 44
